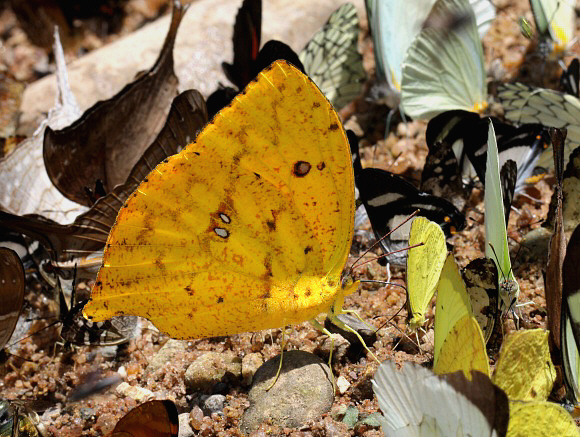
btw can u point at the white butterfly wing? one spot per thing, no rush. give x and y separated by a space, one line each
495 225
415 402
555 19
570 358
332 60
443 69
25 187
484 11
394 25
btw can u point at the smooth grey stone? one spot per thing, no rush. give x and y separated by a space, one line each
302 392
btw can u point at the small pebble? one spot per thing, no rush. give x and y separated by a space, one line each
250 364
211 368
342 384
137 393
214 404
196 418
185 429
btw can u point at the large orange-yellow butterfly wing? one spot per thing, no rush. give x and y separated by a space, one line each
247 228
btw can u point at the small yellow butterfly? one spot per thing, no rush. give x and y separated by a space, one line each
247 228
459 341
424 264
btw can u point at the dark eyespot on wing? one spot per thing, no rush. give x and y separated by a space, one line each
301 168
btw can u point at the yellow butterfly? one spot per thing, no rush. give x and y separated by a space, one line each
459 341
424 264
247 228
524 369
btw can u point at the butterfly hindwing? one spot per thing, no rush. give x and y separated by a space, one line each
481 282
424 265
157 418
496 244
570 78
525 104
570 322
555 21
331 58
508 176
459 342
247 228
12 283
389 199
441 176
246 40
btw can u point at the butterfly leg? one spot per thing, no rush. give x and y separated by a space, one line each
336 321
283 346
322 329
357 315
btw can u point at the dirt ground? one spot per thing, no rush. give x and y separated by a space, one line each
50 375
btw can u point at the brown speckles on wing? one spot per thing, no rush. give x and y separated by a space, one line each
247 222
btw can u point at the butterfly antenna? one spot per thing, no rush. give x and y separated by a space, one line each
497 261
73 291
392 317
374 281
34 333
381 239
388 254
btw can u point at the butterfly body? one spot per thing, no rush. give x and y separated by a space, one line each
246 229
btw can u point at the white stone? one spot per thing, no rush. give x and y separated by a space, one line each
137 393
342 384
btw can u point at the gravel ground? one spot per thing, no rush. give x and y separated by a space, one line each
50 373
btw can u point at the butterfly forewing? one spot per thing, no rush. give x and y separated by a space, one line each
151 419
247 228
444 69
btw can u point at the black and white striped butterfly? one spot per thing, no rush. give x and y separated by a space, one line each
466 132
389 199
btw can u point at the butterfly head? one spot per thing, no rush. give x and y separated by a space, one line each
416 322
348 283
508 290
